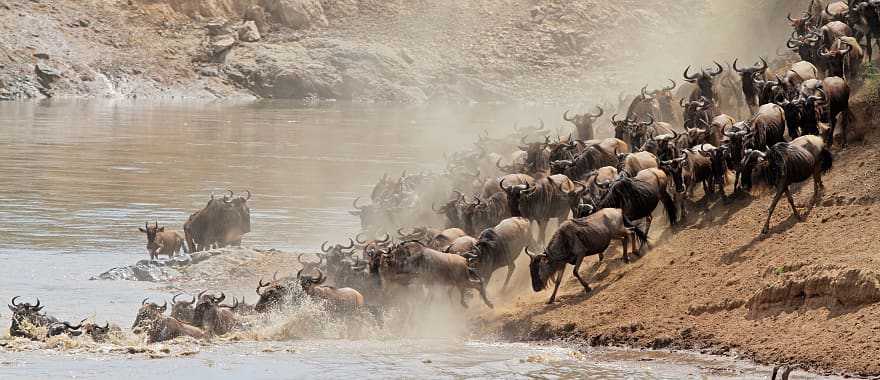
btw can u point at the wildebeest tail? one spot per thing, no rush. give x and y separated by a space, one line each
669 206
826 159
643 238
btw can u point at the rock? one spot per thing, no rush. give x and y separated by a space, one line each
217 28
180 260
209 71
258 15
41 55
200 256
144 270
84 23
46 73
249 32
121 273
297 14
221 44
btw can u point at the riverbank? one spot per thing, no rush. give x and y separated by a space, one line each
807 294
357 50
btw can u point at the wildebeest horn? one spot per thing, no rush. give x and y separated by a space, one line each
386 239
174 299
719 71
300 258
350 244
37 306
355 204
323 247
734 66
144 302
13 301
275 276
226 197
299 274
687 77
565 116
260 285
601 112
320 276
248 195
357 237
221 298
764 65
579 183
672 87
644 89
530 254
501 184
647 123
201 294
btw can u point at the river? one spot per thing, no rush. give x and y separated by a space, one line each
79 178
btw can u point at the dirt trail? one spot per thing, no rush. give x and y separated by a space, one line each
807 293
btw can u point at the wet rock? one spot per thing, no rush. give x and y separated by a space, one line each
209 71
144 270
248 32
47 74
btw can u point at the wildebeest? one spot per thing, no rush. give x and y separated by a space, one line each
577 239
864 17
161 241
28 321
221 223
593 157
704 82
481 214
747 77
500 246
835 96
413 260
211 317
547 199
768 126
633 163
584 123
277 294
159 328
461 245
97 332
789 163
639 196
342 299
844 59
183 310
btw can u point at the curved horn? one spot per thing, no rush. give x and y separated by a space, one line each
222 298
689 78
719 71
530 254
299 274
565 116
357 237
734 66
248 195
321 278
386 239
323 245
601 112
37 306
350 244
13 301
174 299
764 65
144 302
300 259
670 88
644 89
355 204
614 118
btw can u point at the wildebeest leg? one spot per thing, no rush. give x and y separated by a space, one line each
556 287
648 220
511 266
791 202
817 186
483 295
633 239
461 290
577 268
778 195
542 230
625 242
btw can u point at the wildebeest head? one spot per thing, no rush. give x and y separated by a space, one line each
205 302
748 75
452 210
752 161
97 332
514 194
540 269
22 313
674 169
622 128
584 122
182 310
703 79
152 231
239 204
148 313
309 282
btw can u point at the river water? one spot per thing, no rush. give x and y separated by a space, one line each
79 178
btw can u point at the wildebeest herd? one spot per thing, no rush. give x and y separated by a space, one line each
453 230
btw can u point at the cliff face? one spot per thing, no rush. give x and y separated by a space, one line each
402 51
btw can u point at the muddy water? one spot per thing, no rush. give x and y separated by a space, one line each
80 177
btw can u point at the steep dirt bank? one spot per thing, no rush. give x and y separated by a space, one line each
807 293
363 50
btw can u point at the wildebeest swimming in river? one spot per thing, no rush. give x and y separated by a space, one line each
220 223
